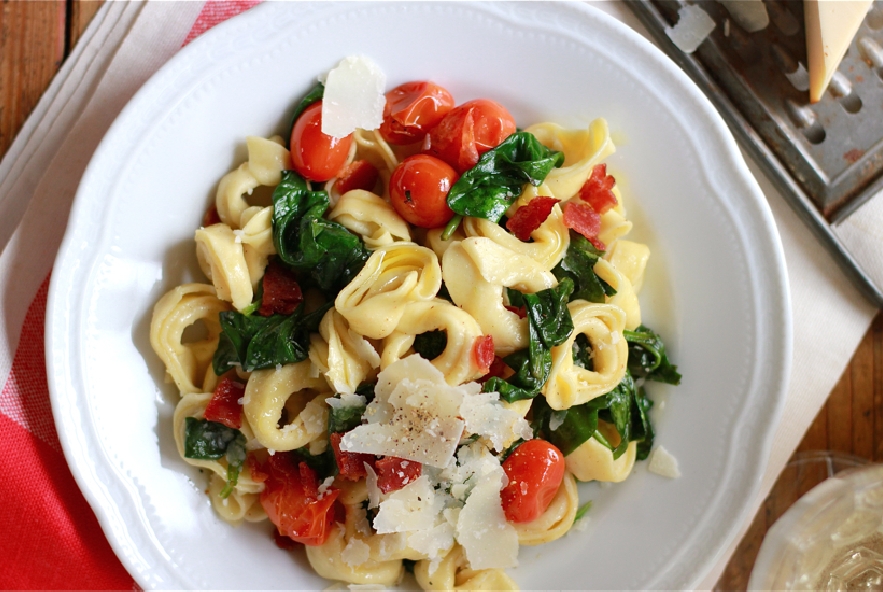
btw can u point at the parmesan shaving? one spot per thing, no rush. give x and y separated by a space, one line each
485 415
355 553
693 26
411 508
354 97
663 463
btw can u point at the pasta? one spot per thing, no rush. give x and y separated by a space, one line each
408 375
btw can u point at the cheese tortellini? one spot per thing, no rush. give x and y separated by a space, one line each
464 298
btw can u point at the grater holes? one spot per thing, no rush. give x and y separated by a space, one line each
781 16
744 45
806 121
841 89
875 18
872 53
793 70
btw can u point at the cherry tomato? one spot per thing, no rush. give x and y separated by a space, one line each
292 500
535 470
468 131
282 293
314 155
359 174
418 190
412 109
483 352
350 465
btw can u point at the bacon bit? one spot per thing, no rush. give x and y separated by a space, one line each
498 368
521 311
584 220
350 465
483 352
224 405
393 472
211 217
530 216
597 189
359 174
282 293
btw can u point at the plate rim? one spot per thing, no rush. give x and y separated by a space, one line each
60 325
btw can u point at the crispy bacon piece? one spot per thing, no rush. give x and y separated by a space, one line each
394 473
350 465
224 405
483 352
498 368
530 216
596 191
359 174
584 220
282 293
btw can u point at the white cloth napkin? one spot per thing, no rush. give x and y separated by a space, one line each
128 42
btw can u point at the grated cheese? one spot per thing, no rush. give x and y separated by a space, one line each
413 507
485 415
663 463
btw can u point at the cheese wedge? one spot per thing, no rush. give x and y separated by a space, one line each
830 26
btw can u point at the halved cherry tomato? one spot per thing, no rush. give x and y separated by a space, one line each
314 155
468 131
393 472
418 190
412 109
224 405
535 470
359 174
292 500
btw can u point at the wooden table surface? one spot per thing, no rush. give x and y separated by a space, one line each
37 35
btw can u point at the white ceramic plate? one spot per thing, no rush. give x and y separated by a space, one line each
716 288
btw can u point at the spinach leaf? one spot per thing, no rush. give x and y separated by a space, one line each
491 186
314 94
307 242
345 418
577 264
431 344
547 312
625 408
549 324
209 440
647 358
582 352
256 342
324 464
366 389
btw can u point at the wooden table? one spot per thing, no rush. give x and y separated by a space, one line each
37 35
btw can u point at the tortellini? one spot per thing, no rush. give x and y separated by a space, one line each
187 364
266 161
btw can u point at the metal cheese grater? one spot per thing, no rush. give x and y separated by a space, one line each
826 158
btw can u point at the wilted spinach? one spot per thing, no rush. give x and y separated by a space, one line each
577 264
209 440
647 358
309 243
491 186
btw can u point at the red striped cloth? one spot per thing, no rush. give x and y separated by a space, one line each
49 536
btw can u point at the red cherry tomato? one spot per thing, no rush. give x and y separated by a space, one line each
314 155
412 109
359 174
483 352
535 470
470 130
292 500
418 190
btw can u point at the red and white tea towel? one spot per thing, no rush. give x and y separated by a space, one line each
50 537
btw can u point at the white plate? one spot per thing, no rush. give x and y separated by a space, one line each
716 289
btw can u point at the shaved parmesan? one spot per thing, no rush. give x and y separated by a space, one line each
693 26
488 540
485 415
413 507
355 553
417 419
663 463
354 97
